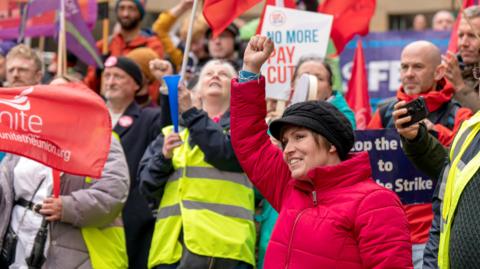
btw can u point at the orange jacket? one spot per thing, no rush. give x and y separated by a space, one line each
118 47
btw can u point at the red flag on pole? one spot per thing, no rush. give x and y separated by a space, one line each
220 13
357 94
66 127
278 3
351 17
453 43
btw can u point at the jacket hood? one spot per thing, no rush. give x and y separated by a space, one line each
434 99
354 169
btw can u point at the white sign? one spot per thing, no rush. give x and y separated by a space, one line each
295 33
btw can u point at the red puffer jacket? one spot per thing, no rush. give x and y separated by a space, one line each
339 219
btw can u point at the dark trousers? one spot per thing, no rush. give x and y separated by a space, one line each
190 260
139 224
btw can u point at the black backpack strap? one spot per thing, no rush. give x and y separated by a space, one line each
445 115
386 114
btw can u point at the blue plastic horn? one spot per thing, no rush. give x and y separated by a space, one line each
172 85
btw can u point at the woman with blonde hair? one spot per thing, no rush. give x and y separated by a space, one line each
205 217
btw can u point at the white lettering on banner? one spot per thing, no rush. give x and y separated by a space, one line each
382 143
385 166
378 72
362 146
21 121
37 142
405 185
27 125
418 184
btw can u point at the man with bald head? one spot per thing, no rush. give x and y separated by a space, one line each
442 21
422 74
463 69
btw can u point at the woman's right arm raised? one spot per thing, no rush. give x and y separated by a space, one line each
261 160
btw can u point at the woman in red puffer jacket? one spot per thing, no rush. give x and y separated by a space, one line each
332 214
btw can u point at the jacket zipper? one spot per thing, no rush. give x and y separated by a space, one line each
212 263
289 252
291 237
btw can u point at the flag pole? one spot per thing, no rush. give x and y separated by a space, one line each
23 23
189 40
103 14
61 54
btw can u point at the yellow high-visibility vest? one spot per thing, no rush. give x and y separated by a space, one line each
213 209
456 178
106 246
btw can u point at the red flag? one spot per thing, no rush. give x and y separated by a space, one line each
453 43
278 3
357 94
66 127
351 17
220 13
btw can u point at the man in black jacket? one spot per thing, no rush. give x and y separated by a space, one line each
136 128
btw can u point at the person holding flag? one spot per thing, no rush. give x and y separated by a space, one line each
82 227
332 214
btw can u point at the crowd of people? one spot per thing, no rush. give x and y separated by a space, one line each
240 185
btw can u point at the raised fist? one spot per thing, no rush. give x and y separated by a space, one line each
257 53
160 68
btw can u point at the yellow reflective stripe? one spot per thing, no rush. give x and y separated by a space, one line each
459 176
168 211
225 210
116 135
213 173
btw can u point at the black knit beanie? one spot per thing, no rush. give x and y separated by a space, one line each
322 118
127 65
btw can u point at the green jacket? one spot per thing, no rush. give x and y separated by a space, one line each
430 157
426 152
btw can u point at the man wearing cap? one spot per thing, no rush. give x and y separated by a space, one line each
225 46
129 16
136 127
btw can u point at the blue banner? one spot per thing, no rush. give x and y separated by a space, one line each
382 55
391 168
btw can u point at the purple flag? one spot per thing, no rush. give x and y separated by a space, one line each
36 7
79 38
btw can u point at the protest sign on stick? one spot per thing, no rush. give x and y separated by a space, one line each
295 33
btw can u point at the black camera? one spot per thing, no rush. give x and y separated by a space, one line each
417 110
7 254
